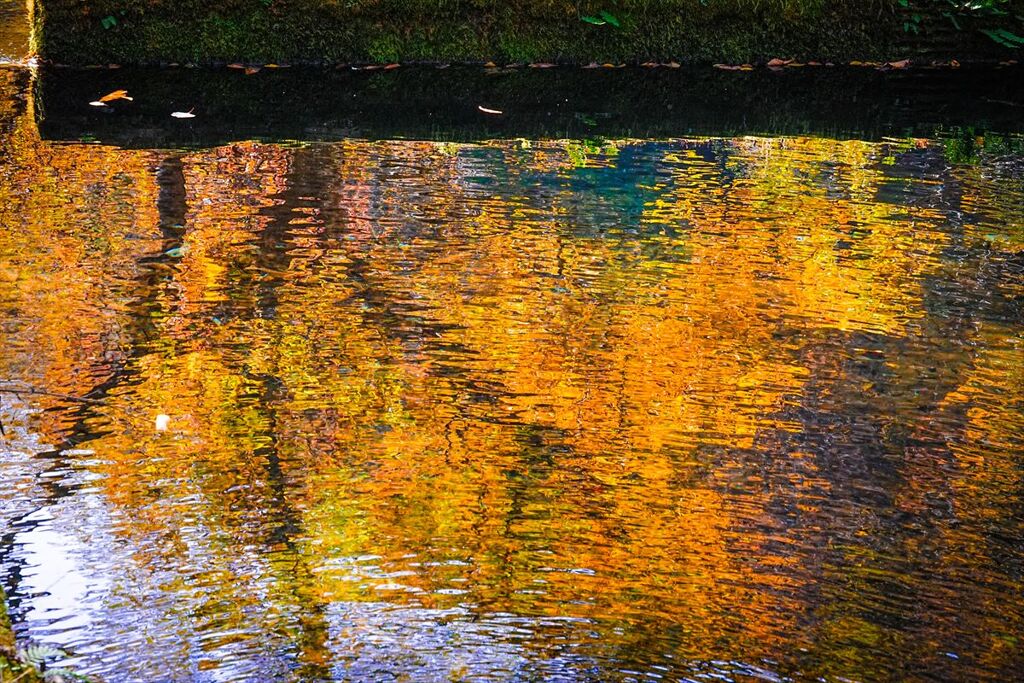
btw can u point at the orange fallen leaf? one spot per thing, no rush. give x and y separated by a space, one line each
489 111
490 65
650 64
776 62
389 67
116 95
252 70
271 66
901 64
236 65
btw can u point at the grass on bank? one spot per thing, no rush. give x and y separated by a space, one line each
569 31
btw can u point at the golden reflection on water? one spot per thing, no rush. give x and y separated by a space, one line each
523 410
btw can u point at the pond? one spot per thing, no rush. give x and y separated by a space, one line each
339 406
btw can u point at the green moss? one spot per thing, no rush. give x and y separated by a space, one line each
141 31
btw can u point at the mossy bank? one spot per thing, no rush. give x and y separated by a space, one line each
81 32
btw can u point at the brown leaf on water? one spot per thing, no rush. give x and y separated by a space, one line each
542 65
775 63
592 65
726 67
490 65
391 66
901 64
650 65
116 95
673 65
252 70
236 65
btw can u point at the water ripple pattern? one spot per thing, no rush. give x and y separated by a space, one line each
742 409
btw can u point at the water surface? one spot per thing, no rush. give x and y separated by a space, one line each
706 408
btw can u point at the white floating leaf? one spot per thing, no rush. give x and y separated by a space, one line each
489 111
183 115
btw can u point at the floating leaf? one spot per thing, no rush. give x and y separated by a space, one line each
109 22
774 63
489 111
183 114
594 20
116 95
610 18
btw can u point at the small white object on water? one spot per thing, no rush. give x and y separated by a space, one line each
97 103
183 115
162 421
489 111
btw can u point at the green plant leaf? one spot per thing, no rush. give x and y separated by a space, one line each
1004 37
593 20
610 18
109 21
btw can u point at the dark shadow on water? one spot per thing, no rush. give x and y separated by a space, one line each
428 103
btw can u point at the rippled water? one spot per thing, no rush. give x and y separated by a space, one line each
13 31
691 409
